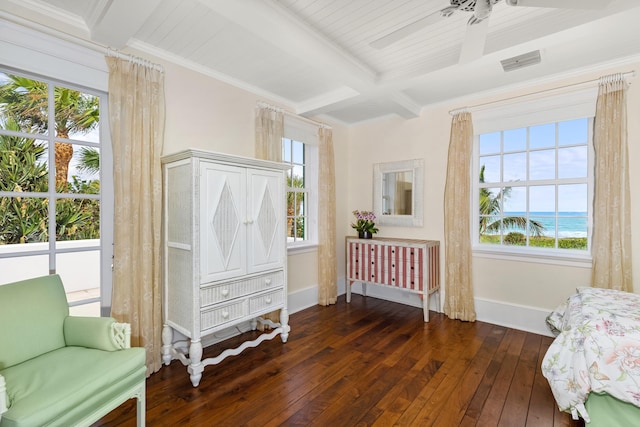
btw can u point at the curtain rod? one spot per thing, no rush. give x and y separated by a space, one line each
506 101
131 58
272 107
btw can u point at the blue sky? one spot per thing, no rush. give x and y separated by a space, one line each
567 139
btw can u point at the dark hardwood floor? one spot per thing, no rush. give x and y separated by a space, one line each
368 363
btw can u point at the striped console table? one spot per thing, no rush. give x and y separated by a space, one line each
407 264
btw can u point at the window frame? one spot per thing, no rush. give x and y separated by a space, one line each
296 129
532 111
46 57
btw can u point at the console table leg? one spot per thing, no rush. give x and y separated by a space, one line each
425 307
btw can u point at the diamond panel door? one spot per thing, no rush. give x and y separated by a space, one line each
266 213
222 222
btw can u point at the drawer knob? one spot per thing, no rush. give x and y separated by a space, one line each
267 300
267 282
225 314
225 292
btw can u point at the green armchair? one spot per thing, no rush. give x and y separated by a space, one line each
60 370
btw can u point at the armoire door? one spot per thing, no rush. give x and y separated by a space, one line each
223 221
265 207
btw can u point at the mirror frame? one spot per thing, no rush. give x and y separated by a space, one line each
417 167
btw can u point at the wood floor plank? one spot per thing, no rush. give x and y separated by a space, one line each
367 363
516 405
492 409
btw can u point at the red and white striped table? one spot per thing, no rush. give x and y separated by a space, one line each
411 265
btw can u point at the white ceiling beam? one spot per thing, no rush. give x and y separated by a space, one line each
404 106
114 22
279 27
275 25
327 99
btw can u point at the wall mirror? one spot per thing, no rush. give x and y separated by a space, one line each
397 193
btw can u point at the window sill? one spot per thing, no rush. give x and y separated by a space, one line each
302 248
581 259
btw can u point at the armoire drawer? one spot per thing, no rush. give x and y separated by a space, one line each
219 315
237 288
272 299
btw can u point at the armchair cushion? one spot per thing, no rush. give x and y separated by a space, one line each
32 313
90 332
70 377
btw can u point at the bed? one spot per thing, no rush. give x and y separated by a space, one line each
593 365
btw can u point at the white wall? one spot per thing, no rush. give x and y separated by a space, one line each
205 113
504 289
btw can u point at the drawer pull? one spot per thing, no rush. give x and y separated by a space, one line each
224 292
225 314
267 300
267 282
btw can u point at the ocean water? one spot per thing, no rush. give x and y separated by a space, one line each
570 224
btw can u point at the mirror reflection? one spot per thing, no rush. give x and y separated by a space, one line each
397 193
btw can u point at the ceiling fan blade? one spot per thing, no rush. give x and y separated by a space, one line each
474 40
561 4
405 31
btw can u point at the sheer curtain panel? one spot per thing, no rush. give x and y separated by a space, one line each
136 119
458 303
611 240
269 133
327 266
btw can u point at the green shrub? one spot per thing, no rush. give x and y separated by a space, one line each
515 238
518 239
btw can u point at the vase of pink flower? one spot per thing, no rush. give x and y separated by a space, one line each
365 224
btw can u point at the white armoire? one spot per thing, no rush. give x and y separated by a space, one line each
224 252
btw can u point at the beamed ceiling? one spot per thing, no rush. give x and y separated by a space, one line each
353 60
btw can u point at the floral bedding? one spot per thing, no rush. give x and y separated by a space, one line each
597 349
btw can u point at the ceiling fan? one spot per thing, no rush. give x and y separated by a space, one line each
477 26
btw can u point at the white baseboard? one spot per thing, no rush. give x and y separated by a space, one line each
391 294
524 318
304 298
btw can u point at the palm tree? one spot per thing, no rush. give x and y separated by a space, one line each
26 101
491 206
294 204
89 160
22 219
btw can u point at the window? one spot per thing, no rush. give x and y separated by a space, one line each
533 183
299 149
297 210
52 211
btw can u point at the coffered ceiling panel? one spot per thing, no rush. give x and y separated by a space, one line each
355 60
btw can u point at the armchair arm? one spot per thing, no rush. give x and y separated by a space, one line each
102 333
4 399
